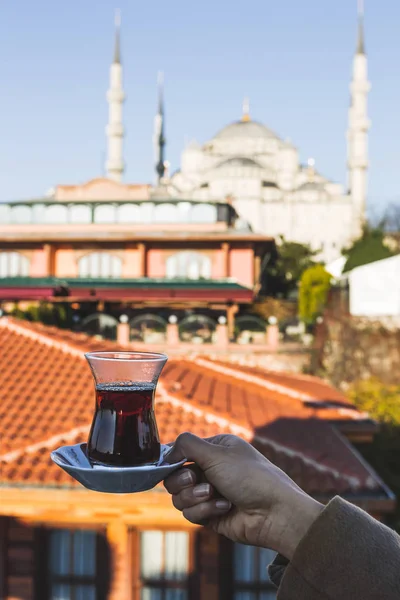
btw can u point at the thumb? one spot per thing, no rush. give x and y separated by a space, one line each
194 449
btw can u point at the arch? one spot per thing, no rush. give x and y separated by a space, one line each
100 324
149 328
14 264
5 213
128 213
80 213
204 213
105 213
250 329
21 214
100 264
197 329
56 213
191 265
165 213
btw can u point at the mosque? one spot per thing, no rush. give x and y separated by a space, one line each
260 174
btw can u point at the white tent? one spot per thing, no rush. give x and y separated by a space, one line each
375 289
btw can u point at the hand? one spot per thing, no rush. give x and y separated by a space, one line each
239 493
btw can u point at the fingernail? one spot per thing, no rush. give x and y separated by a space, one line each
186 478
223 504
202 490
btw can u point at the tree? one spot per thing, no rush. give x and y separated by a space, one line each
380 400
315 283
369 248
383 404
284 274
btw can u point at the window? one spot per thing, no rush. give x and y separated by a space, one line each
56 213
100 264
13 264
72 565
104 213
251 581
166 213
129 213
80 213
164 565
21 214
191 265
204 213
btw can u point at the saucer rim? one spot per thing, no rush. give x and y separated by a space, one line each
109 470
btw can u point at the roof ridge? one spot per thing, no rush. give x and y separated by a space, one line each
275 387
49 443
42 338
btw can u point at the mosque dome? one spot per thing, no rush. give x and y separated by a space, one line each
245 129
239 161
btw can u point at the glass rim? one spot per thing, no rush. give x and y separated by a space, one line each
127 356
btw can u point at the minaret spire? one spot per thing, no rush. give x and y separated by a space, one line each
117 46
360 39
246 109
357 134
159 138
115 98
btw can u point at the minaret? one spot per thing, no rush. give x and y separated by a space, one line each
115 98
357 134
159 139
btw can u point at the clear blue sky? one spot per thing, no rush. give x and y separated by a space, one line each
292 59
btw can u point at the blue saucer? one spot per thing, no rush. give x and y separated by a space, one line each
112 480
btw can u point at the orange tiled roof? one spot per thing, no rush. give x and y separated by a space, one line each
47 401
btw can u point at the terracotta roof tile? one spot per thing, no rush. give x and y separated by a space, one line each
47 401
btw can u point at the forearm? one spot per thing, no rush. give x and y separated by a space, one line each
345 554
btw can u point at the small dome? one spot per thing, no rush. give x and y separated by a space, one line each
245 129
239 161
311 185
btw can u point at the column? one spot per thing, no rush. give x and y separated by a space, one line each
121 571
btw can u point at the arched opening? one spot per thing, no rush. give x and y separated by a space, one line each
56 214
197 329
148 328
100 325
14 264
165 213
21 214
189 265
105 213
129 213
250 329
204 213
100 264
80 213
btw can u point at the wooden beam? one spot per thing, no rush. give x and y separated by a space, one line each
80 506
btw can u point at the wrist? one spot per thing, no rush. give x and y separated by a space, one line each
286 525
301 515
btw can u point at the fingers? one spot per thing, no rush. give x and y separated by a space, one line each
193 448
196 501
193 495
181 479
207 511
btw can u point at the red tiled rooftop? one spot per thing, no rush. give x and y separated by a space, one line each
47 401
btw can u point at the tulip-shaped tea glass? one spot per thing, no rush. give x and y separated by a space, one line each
124 430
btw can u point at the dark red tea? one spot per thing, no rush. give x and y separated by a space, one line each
124 430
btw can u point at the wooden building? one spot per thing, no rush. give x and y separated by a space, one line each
59 541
